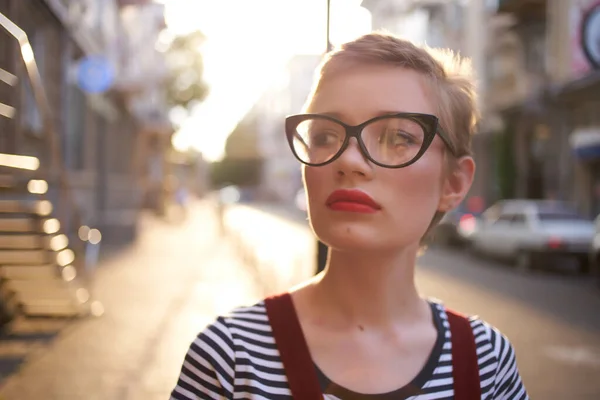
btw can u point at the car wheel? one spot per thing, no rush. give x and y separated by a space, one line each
472 250
584 265
524 261
596 269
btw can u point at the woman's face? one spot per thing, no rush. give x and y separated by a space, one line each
406 198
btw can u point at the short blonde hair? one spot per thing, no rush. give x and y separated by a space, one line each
448 77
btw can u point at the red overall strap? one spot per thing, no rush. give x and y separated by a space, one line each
293 350
465 366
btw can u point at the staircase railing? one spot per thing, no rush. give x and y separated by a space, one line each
67 211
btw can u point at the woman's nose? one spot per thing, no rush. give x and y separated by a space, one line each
353 160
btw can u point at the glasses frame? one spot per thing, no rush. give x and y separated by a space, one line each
429 123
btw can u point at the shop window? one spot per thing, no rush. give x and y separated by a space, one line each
74 112
533 36
75 127
31 117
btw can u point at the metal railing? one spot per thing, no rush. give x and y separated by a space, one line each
67 211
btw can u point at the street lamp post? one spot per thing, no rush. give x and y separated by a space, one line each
328 47
321 247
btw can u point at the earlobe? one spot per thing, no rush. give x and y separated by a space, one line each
457 183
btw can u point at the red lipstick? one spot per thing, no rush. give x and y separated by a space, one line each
352 200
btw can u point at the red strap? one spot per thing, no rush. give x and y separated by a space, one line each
465 365
293 350
300 370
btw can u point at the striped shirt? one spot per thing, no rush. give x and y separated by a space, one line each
236 358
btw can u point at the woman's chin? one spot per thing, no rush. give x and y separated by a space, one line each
347 246
362 238
351 240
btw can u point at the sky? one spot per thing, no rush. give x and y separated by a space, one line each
248 44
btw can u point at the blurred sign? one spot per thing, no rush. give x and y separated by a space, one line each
590 35
585 37
95 74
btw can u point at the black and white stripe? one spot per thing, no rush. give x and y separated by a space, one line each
236 358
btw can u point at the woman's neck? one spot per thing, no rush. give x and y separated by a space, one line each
376 290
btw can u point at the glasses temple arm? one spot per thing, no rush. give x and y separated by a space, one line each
447 141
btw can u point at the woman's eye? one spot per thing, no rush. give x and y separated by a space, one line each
398 138
323 138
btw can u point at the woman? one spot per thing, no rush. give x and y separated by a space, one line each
385 143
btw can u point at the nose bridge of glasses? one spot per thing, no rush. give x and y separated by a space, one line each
354 131
353 146
354 138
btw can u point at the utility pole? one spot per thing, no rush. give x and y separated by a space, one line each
321 247
477 29
329 47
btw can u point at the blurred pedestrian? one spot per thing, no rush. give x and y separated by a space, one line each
220 211
385 143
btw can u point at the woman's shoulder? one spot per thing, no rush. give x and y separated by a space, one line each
219 358
489 340
248 323
498 368
243 315
220 341
251 318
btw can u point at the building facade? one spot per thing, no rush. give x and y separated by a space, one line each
543 101
99 121
261 133
281 171
537 64
575 75
462 26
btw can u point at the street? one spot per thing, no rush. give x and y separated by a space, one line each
157 296
552 320
161 292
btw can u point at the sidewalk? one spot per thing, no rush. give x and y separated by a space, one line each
274 242
157 296
284 211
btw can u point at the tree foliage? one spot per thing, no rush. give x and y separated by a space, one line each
239 172
186 85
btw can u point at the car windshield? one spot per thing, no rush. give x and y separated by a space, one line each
560 216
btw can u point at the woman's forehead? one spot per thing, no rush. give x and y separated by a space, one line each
368 91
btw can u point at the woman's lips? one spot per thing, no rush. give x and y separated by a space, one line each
352 200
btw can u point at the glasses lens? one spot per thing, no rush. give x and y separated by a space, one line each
393 141
317 140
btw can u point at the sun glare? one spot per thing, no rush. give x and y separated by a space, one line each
248 44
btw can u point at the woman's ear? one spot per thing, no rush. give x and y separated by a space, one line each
457 183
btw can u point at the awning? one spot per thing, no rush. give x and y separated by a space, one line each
585 143
572 89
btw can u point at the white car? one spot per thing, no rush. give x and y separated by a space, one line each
526 231
595 252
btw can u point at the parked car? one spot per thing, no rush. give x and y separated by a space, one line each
457 226
594 257
531 231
